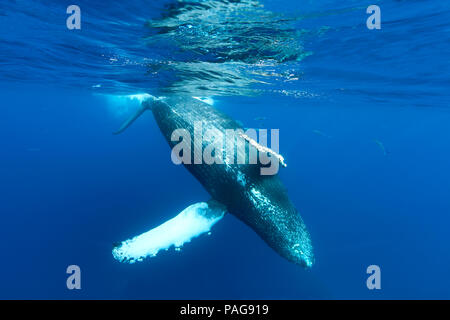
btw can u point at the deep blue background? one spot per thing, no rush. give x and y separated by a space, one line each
69 188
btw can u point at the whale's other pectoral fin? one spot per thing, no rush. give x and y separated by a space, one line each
190 223
145 105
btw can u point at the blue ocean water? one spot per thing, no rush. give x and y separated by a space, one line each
364 127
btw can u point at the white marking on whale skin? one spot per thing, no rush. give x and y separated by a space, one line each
259 201
258 198
240 177
263 149
190 223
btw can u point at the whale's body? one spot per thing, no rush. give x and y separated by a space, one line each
260 201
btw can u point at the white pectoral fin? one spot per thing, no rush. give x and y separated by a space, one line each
190 223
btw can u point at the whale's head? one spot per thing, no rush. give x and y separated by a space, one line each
296 247
289 237
273 216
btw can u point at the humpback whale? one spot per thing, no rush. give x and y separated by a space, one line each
260 201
